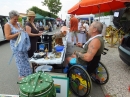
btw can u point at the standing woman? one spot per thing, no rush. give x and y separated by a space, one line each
33 32
12 30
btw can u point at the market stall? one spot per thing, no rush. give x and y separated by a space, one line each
50 58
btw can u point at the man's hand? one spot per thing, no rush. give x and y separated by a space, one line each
79 44
76 53
79 55
73 54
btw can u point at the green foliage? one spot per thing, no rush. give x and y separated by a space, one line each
108 13
20 19
104 14
42 12
53 5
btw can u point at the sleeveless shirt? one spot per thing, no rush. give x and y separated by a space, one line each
84 50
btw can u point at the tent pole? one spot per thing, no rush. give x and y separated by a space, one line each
99 11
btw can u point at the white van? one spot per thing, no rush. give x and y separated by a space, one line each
3 21
108 20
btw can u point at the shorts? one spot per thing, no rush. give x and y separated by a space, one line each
74 33
90 68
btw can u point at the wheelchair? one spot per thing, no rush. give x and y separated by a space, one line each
80 81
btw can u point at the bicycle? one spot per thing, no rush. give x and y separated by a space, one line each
80 81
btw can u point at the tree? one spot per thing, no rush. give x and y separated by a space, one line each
104 14
108 13
20 20
53 5
42 12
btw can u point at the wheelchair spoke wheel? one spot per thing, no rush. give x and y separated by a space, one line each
79 81
101 75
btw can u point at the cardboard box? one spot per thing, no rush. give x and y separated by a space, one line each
61 83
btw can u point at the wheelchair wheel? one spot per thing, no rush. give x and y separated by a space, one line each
101 75
79 81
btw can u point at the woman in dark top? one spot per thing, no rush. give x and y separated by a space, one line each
33 32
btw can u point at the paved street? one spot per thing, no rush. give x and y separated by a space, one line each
9 74
117 85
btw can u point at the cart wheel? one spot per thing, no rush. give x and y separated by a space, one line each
101 75
79 81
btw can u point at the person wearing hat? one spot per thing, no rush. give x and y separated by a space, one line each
12 30
33 32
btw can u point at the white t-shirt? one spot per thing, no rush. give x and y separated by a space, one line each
86 26
37 24
41 24
79 25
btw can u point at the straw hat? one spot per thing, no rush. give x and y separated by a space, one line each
31 13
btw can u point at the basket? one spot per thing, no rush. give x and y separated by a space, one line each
59 48
37 85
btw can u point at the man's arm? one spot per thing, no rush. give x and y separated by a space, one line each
93 47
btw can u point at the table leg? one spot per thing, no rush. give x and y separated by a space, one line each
34 66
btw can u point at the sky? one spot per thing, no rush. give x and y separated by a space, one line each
23 5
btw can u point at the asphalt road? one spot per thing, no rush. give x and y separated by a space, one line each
9 74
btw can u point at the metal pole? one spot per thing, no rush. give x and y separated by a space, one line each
61 16
99 11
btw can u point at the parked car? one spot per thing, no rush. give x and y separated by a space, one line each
123 21
124 49
3 20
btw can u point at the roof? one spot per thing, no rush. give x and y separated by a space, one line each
47 18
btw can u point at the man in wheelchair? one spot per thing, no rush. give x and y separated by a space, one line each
92 49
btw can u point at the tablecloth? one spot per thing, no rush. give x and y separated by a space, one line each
60 60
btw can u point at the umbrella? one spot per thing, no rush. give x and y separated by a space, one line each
96 6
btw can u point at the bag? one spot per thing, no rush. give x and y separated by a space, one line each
22 43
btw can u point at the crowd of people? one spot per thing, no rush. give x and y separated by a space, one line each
33 29
91 50
48 25
78 26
